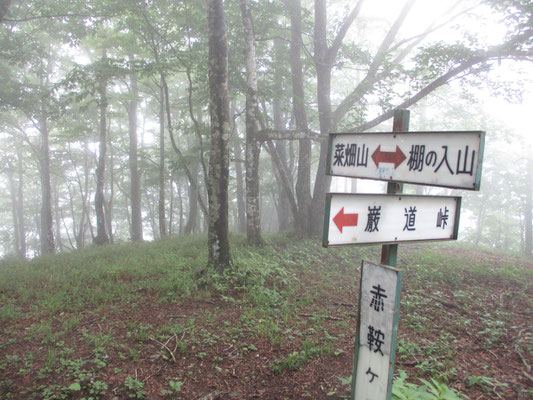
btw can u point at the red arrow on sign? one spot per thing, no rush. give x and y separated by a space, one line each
342 220
396 157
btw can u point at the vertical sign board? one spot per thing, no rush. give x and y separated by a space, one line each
446 159
381 218
376 336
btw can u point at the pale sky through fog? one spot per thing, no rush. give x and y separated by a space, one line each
490 30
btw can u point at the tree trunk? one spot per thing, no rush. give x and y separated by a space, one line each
528 237
253 146
479 222
13 195
84 190
162 166
57 212
303 180
180 199
99 199
237 153
135 179
217 185
47 233
283 209
323 63
20 204
241 212
171 206
192 216
108 204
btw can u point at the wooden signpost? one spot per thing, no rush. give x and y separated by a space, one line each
445 159
375 342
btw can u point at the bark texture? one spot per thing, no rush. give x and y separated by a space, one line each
162 167
324 59
135 178
217 186
99 199
253 146
528 245
303 180
46 233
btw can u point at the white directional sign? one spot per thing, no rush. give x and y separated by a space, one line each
380 218
447 159
378 323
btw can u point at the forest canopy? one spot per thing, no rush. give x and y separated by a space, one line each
107 108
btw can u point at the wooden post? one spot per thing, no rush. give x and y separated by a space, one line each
389 252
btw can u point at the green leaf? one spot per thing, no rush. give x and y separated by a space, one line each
75 387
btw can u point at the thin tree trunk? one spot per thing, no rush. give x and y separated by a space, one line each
241 212
111 197
85 219
303 181
57 212
171 207
283 211
479 222
253 146
192 216
99 199
135 179
162 166
192 179
217 185
13 195
47 233
239 176
180 198
324 58
528 230
20 204
323 64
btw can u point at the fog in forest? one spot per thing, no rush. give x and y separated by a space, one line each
106 113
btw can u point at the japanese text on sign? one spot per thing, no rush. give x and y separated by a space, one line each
450 159
380 287
364 218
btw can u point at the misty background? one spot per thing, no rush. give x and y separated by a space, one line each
137 71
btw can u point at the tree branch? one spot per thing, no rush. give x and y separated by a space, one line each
190 176
273 134
337 42
389 38
372 75
442 80
417 39
283 173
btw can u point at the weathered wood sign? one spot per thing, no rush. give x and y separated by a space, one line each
381 218
446 159
376 337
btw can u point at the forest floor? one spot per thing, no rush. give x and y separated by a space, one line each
133 321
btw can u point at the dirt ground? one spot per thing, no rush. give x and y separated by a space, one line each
457 327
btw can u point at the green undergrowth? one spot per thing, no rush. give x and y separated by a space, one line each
291 296
94 277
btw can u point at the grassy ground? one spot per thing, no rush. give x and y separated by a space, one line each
132 321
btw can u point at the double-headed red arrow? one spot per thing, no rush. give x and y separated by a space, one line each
396 157
342 220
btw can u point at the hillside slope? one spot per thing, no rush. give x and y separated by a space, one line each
133 321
